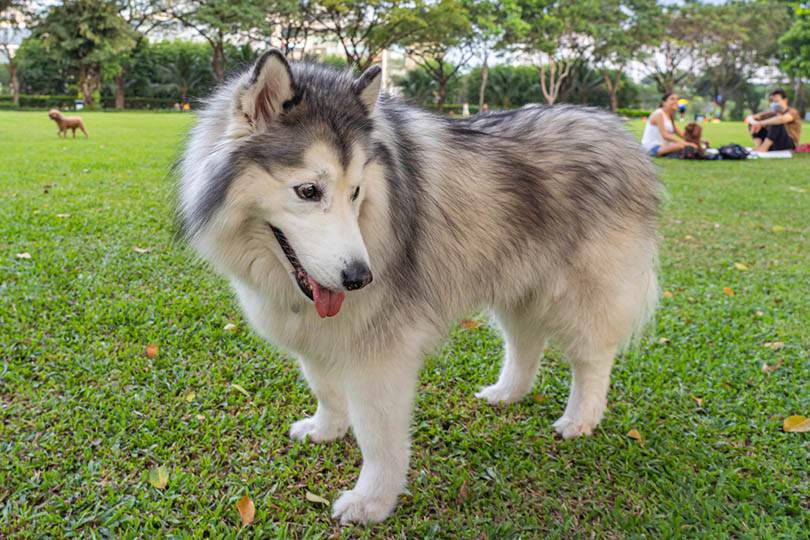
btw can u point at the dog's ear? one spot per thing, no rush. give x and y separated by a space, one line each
367 87
271 86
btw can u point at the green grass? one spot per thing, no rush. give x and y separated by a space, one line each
85 414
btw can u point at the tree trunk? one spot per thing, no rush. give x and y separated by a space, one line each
442 95
15 82
484 76
613 89
798 99
219 62
119 91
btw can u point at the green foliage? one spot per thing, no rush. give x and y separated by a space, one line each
795 43
42 72
507 87
633 113
89 35
421 87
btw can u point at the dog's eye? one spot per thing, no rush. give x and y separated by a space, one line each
356 193
309 192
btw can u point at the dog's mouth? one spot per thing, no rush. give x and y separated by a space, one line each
327 301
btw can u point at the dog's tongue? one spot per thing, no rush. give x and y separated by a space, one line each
327 301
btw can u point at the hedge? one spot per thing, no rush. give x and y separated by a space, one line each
28 101
633 113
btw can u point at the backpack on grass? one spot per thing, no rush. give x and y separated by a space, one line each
733 151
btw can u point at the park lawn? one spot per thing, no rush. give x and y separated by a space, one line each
85 414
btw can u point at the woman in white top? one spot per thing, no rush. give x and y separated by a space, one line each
659 132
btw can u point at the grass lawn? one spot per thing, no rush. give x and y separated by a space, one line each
85 414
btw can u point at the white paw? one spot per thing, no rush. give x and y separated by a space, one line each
500 394
570 428
354 507
315 431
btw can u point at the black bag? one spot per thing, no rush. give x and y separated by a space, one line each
733 151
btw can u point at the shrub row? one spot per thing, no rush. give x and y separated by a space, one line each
65 102
632 113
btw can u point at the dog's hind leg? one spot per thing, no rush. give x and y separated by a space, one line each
525 342
590 379
81 127
331 419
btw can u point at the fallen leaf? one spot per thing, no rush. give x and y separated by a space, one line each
151 351
777 228
538 398
760 314
768 369
740 266
634 434
798 189
797 424
311 497
728 290
229 327
25 255
691 299
159 477
774 345
141 250
688 237
698 400
668 294
237 387
63 215
469 325
200 417
664 340
190 397
246 510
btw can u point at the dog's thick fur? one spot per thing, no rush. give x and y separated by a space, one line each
545 215
67 122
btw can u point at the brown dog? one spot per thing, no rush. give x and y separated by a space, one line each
67 122
692 133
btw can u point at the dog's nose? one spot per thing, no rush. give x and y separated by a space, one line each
356 275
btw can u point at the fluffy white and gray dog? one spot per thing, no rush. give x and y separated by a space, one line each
355 229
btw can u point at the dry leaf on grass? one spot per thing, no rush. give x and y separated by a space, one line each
797 424
63 215
140 250
25 255
237 387
668 294
247 510
469 325
151 351
159 477
664 340
230 327
777 228
797 189
688 237
728 290
190 397
740 266
311 497
774 345
634 434
698 400
768 369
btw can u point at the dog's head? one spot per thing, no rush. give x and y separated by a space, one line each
692 132
282 186
54 114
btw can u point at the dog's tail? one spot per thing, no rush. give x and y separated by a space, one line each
649 301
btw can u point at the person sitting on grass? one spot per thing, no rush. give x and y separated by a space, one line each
777 129
659 132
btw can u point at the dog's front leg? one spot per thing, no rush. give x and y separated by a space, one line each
380 396
331 419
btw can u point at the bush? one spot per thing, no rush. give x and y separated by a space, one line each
632 113
140 103
46 102
456 108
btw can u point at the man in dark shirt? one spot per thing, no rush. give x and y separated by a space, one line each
777 129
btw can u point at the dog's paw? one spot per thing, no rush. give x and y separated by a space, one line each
496 394
570 428
355 507
310 428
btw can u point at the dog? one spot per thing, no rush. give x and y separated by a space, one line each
67 122
355 229
692 133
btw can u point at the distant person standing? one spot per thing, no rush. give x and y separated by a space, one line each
777 129
682 103
659 138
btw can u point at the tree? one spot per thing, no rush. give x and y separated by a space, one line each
555 34
491 23
41 72
185 72
623 30
441 27
668 57
365 27
14 17
219 20
795 54
142 17
87 33
743 37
